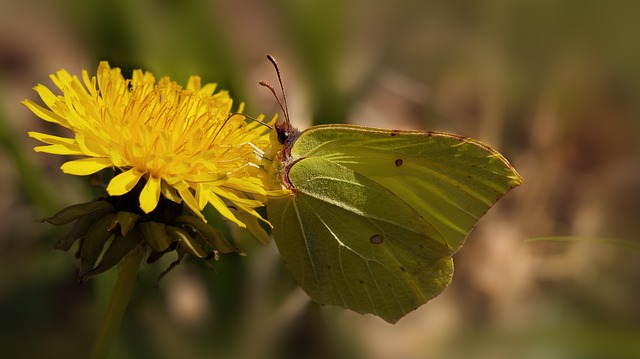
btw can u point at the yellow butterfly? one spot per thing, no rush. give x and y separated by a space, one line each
375 215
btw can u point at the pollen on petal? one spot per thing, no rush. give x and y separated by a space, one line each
85 166
124 182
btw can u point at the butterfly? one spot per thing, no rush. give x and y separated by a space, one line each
375 215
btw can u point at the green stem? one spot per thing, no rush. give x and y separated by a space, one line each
118 302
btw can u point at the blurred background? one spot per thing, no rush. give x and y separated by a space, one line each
553 85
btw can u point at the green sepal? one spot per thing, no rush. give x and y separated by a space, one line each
209 234
94 242
124 220
155 234
78 231
71 213
120 247
186 242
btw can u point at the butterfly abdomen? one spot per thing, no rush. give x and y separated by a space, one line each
284 174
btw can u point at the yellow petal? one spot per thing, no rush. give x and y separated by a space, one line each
47 96
204 177
241 107
254 227
92 145
50 139
85 166
150 195
45 114
252 185
60 145
170 193
190 201
233 197
89 82
194 83
221 207
58 150
124 182
202 194
61 78
207 89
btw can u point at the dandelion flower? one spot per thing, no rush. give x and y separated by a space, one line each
170 151
180 143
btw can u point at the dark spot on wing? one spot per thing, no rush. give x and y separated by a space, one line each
361 281
394 132
376 239
399 162
402 269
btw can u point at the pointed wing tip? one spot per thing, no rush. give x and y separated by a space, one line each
516 179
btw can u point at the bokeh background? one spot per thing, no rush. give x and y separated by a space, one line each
553 84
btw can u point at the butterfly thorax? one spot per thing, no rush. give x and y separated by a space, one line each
286 136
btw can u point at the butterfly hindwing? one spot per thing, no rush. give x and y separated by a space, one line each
346 249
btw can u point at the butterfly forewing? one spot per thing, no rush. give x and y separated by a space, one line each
449 180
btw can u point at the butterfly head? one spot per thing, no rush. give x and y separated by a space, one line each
284 131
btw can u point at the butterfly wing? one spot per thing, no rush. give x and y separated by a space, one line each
376 215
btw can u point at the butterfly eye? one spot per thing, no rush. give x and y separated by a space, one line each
282 136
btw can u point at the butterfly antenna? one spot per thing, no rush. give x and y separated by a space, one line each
283 103
256 150
251 118
226 120
239 114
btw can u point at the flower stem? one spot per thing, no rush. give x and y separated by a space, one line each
118 302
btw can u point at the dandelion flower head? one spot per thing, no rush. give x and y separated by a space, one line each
183 143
